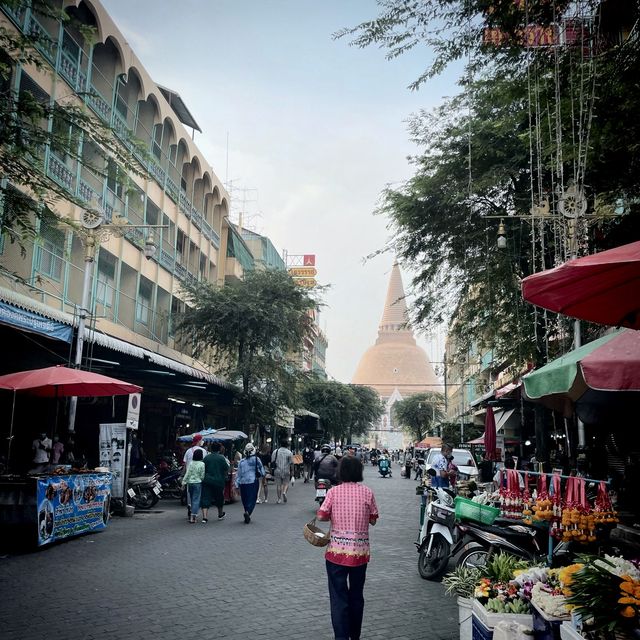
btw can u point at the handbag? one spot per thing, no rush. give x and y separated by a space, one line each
274 464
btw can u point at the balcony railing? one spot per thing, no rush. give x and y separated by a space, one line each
185 204
70 72
16 13
60 173
44 42
172 189
99 104
167 260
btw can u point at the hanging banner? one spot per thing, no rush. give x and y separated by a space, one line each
113 438
72 504
133 412
35 323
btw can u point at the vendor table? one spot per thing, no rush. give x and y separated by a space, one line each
53 507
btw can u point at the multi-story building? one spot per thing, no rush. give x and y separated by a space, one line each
175 194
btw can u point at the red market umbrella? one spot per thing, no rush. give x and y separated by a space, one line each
53 382
490 433
598 379
603 288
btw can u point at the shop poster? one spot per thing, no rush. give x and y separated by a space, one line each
72 504
113 440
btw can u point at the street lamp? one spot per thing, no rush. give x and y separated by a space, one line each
92 233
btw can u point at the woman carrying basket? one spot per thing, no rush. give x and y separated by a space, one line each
351 508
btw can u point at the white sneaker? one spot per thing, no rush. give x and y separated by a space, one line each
258 501
278 501
266 500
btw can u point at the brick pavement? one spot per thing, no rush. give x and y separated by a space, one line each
156 577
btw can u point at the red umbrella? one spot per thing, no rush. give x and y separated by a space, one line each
490 434
603 288
52 382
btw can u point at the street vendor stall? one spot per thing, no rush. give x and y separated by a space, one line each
57 501
227 438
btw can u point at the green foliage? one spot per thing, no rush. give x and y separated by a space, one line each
527 123
31 125
250 332
501 566
461 581
419 414
346 411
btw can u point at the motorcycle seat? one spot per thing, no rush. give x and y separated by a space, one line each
505 531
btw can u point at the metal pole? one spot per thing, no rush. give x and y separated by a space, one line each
89 261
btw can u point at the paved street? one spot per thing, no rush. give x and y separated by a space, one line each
154 576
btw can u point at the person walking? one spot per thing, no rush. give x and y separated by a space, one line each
351 508
193 481
282 463
263 492
307 461
216 470
250 470
196 445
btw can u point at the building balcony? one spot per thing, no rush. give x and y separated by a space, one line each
233 270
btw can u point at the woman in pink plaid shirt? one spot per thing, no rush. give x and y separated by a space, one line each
351 508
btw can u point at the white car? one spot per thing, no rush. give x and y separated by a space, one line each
462 458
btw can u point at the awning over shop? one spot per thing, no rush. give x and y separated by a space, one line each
139 352
603 372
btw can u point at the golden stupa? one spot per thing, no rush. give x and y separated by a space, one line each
395 361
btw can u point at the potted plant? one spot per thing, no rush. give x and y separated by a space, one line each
461 582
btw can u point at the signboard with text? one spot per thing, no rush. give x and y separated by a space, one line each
303 272
113 440
72 504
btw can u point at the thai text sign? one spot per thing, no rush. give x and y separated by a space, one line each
307 283
72 504
302 272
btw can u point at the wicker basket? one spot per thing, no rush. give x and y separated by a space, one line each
315 535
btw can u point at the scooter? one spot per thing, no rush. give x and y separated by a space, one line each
322 486
143 491
170 478
438 534
384 467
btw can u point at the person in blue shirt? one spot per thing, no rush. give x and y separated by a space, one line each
441 464
250 470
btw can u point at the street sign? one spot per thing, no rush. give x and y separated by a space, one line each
307 283
302 272
309 260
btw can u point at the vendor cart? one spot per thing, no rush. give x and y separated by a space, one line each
50 507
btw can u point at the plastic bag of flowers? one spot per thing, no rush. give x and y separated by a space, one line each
605 593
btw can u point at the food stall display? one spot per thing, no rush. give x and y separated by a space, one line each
53 502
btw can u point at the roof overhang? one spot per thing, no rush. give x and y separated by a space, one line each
180 108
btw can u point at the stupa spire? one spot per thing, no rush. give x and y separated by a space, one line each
395 316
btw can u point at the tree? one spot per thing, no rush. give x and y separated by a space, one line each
249 332
346 411
419 414
33 123
368 409
529 122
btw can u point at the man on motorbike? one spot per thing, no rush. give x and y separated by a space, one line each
326 466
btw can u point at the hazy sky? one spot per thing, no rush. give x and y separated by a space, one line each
315 128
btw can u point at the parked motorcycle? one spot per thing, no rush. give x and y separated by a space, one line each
322 486
438 534
143 491
170 478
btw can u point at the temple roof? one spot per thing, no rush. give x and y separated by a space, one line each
395 361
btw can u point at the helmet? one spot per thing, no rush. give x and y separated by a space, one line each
325 449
